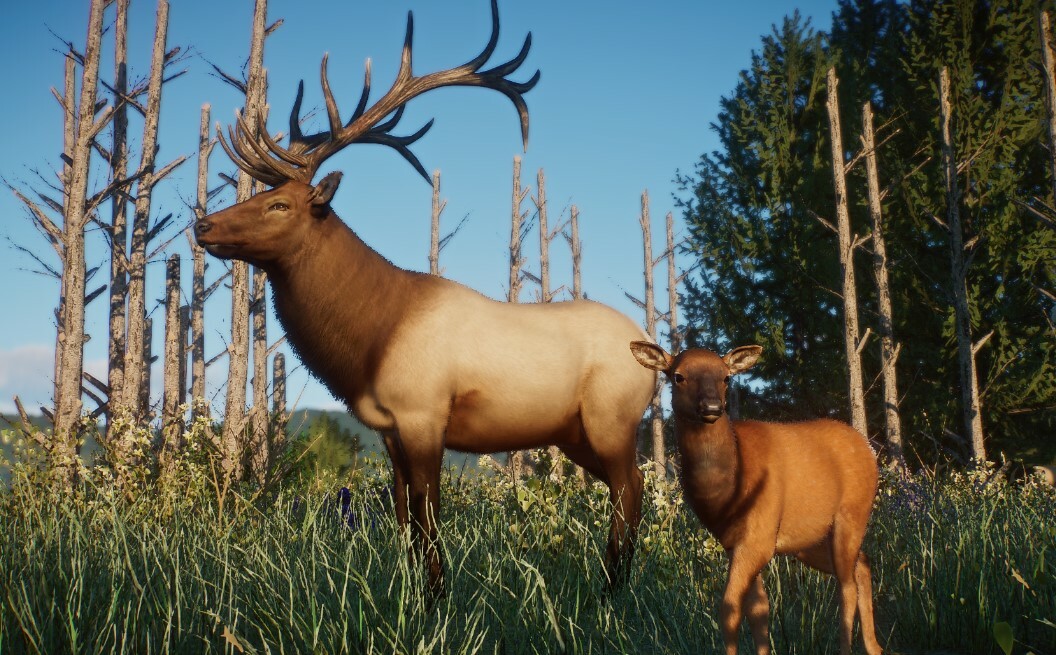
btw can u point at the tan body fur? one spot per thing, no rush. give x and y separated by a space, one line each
432 364
800 489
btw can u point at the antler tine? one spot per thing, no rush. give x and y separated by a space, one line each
263 175
489 49
331 105
373 124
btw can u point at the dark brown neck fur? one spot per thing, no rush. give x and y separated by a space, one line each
711 469
341 303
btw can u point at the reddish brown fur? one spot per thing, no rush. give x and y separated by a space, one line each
801 489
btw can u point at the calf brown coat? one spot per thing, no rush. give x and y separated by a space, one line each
801 489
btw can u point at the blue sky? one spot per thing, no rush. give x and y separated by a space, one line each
627 94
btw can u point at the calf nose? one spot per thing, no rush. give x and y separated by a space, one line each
201 227
710 409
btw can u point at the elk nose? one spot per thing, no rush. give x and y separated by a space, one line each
710 409
201 227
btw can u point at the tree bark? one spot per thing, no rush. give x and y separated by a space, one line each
516 458
118 215
260 455
199 406
434 230
576 246
851 334
278 401
888 348
70 354
656 412
673 336
545 295
1050 91
238 349
971 403
136 368
171 414
143 396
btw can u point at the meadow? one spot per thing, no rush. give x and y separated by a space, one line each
962 564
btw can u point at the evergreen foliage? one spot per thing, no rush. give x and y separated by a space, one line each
769 271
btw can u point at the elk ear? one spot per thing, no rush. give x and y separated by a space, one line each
742 358
321 194
651 355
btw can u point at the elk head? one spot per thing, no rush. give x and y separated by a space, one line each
265 227
699 378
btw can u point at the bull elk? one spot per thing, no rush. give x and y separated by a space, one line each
801 489
429 363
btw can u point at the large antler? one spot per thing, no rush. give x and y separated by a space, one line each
262 157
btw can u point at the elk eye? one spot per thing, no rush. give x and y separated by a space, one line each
278 207
727 380
678 378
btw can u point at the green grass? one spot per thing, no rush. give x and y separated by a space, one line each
86 573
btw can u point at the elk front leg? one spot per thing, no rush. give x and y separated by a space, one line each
423 450
757 609
399 478
746 564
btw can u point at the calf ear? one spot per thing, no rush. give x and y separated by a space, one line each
651 355
742 358
321 194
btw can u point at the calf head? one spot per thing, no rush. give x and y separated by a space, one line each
699 378
270 225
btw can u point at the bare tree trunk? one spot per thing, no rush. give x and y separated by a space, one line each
673 336
70 354
171 415
656 412
545 295
135 368
278 401
199 406
238 353
69 142
434 232
852 340
260 457
516 458
971 403
1050 91
888 348
118 216
576 246
143 397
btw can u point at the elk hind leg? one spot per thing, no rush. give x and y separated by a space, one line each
864 577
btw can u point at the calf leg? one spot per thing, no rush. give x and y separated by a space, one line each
864 576
757 609
847 537
745 567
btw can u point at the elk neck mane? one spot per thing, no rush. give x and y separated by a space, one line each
341 302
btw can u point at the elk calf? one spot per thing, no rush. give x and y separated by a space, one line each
800 489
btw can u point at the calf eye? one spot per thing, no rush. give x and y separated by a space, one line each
727 380
678 378
278 207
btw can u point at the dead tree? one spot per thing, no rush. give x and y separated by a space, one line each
673 336
545 293
576 247
118 213
199 406
656 412
971 403
888 348
853 343
238 349
171 411
434 232
259 443
134 366
278 401
70 353
517 224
